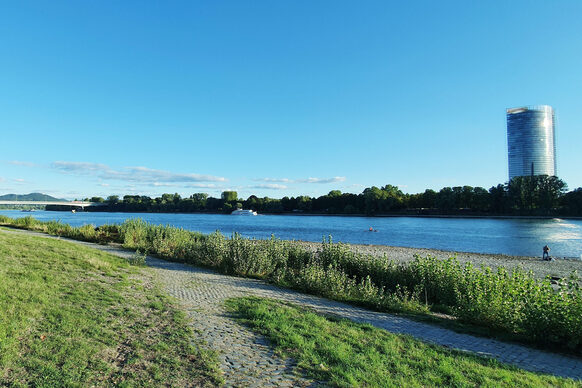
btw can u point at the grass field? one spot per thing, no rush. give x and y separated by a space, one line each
349 354
74 316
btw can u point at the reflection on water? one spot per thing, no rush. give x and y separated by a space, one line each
567 225
562 236
509 236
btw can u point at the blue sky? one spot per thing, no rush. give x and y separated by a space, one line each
278 98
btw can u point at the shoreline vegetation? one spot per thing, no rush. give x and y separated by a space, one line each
507 302
558 268
302 214
542 196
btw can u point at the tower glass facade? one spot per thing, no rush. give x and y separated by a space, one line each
531 141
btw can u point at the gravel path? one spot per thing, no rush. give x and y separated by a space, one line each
248 360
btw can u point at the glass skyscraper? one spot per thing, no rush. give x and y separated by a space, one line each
531 141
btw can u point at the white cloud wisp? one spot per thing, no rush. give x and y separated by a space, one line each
131 174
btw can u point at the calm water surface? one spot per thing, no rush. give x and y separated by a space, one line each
508 236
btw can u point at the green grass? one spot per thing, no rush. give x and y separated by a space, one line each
348 354
74 316
510 304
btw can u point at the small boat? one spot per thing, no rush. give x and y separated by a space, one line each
73 211
241 212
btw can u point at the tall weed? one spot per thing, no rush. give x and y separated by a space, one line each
512 301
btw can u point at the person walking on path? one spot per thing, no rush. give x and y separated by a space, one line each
546 254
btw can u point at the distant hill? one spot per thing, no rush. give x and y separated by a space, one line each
28 197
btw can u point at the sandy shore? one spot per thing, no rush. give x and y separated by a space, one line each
559 267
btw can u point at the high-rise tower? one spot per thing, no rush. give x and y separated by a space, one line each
531 142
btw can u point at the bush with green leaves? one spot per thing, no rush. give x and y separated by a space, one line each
138 258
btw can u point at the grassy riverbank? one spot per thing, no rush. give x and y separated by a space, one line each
74 316
508 301
348 354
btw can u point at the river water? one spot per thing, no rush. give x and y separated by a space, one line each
482 235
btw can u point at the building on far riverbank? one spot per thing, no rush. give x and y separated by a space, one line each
531 142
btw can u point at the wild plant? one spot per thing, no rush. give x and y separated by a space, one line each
513 301
239 255
213 251
27 222
108 233
138 258
58 228
278 254
402 299
87 233
327 281
134 234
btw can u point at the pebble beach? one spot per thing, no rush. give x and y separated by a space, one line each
559 267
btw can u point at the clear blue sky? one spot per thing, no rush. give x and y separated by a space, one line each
278 98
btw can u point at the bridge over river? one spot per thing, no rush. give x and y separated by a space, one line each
73 204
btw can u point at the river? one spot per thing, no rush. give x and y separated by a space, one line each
524 237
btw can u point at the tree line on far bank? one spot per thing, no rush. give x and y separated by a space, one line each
530 195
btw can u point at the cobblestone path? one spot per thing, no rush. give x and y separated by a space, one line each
201 287
248 360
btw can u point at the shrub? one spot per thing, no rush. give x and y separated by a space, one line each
511 301
138 258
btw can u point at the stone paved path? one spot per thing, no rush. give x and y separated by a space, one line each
247 359
200 287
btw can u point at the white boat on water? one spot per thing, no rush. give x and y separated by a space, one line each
241 212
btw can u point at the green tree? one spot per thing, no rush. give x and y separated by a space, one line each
199 201
428 200
372 199
288 204
392 198
227 208
304 203
521 192
171 198
499 199
254 203
229 196
199 197
538 192
550 189
572 202
466 197
480 200
446 199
